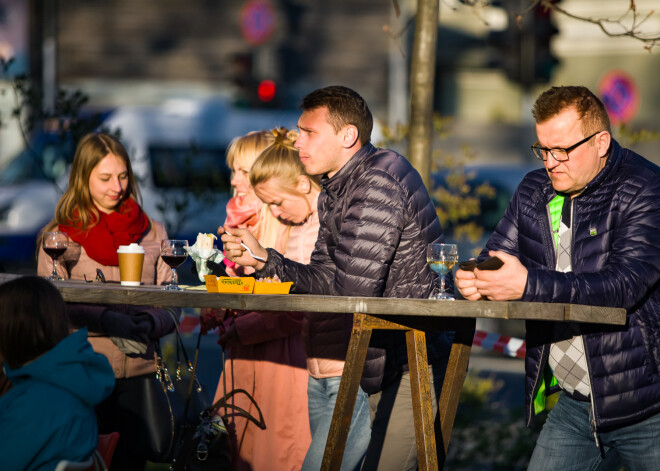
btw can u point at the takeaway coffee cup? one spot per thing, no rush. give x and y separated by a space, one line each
131 259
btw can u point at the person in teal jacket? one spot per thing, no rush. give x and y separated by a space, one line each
48 414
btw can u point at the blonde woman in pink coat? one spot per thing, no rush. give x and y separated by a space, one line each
265 354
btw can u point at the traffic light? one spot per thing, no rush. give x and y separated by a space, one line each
522 50
544 30
252 92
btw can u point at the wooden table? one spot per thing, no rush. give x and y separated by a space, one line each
414 316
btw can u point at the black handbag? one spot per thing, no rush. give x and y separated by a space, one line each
207 446
171 406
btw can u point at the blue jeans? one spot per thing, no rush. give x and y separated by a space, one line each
322 394
567 444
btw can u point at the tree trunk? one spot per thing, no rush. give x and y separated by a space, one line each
422 79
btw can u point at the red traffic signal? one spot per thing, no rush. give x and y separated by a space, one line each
266 90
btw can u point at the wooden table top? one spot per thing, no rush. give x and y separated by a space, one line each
114 293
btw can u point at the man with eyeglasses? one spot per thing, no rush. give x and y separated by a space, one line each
584 230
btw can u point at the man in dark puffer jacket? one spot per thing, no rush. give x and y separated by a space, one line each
376 220
586 230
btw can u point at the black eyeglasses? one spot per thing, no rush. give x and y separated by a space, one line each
99 277
559 154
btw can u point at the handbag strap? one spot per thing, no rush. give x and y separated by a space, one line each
192 367
222 403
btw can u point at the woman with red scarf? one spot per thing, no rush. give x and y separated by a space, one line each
99 212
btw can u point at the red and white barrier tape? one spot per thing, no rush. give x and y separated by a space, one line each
510 346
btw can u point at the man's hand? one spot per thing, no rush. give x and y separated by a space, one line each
231 240
506 284
465 281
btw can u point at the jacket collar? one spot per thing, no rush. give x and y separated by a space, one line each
609 170
336 186
614 159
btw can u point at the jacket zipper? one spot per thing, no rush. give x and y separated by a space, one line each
542 362
592 415
539 372
592 402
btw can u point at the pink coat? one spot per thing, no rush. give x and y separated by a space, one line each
269 363
75 264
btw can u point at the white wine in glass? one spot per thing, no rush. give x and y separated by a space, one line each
55 244
442 258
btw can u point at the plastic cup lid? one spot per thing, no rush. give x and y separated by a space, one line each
132 248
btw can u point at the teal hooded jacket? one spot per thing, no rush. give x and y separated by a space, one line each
48 414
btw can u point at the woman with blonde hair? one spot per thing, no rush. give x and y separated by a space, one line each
265 352
100 211
244 209
279 180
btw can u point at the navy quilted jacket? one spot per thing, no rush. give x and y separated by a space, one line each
616 263
376 220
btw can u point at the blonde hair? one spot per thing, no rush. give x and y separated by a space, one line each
280 160
242 152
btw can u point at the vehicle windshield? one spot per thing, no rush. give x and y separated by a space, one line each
190 167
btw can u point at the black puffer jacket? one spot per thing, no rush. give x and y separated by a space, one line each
376 220
616 263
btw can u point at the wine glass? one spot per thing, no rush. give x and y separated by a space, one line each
55 244
174 253
442 258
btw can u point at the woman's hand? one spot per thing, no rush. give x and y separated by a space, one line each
228 334
231 240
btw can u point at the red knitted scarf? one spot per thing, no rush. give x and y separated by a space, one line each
101 241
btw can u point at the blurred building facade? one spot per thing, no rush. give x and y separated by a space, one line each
222 47
122 52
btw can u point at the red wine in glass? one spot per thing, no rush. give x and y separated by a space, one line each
55 252
174 253
55 244
174 260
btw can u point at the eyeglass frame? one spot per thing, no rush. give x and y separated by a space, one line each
536 150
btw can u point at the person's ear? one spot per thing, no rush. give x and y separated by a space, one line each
350 136
603 141
304 186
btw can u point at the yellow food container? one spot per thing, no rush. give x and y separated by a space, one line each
264 287
229 284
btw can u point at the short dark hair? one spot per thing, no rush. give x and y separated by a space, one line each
345 106
590 109
33 319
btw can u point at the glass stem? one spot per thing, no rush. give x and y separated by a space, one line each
442 284
175 278
54 274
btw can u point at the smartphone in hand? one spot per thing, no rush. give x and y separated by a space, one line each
491 263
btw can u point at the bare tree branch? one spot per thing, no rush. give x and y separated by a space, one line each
629 23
